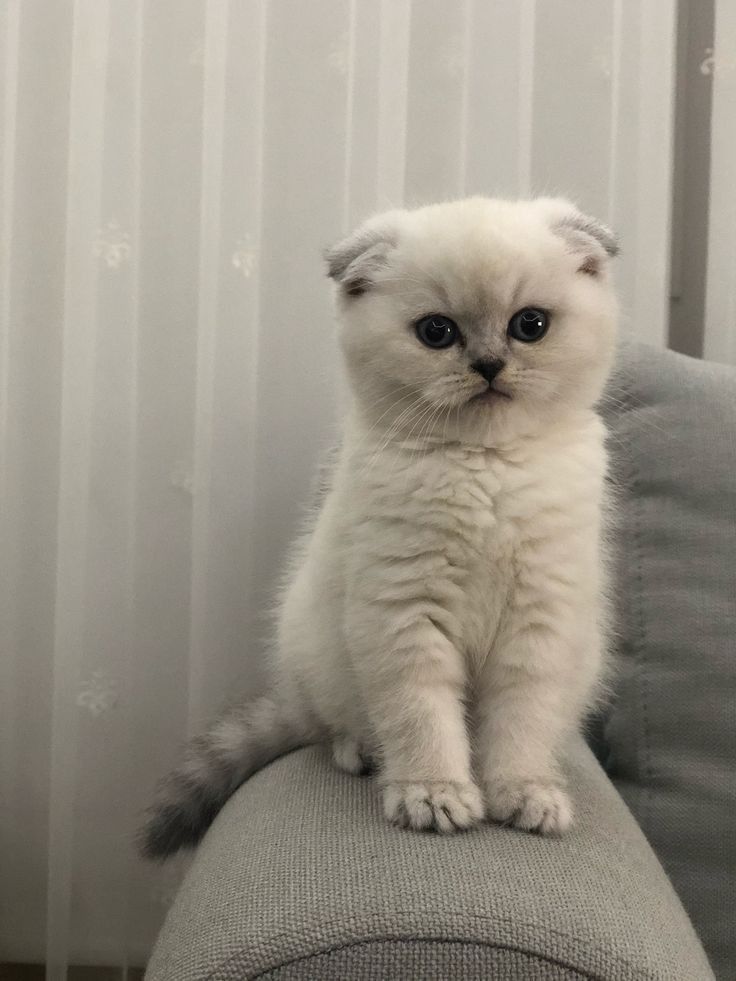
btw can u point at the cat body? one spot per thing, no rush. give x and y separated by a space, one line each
444 617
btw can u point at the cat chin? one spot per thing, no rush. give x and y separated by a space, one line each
491 396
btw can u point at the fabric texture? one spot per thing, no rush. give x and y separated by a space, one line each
669 742
302 877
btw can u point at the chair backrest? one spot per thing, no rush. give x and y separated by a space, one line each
669 736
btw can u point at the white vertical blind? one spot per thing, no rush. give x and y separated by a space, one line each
650 235
75 618
9 749
391 86
171 171
213 132
720 306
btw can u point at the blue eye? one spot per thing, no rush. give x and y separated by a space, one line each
528 325
437 331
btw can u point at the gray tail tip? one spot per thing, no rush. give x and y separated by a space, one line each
169 829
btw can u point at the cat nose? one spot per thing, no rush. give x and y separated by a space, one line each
488 368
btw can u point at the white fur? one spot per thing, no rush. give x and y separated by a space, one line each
445 614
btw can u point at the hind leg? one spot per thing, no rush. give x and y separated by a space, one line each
350 756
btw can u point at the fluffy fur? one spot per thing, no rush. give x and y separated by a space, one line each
444 617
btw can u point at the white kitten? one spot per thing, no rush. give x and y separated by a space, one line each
445 615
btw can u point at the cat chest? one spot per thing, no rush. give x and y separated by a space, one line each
452 536
484 550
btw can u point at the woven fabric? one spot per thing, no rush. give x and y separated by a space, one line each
670 740
397 960
301 877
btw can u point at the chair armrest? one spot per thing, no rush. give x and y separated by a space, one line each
301 877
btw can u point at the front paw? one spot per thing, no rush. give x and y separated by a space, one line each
531 805
433 805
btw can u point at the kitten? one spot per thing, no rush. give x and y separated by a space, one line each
445 616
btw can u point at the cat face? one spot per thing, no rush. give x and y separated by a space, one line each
489 311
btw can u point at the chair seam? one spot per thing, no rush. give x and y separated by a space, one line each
511 920
397 939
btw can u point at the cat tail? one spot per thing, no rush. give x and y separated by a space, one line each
247 738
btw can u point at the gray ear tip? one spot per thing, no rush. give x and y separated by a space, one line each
578 222
332 257
366 248
603 234
609 241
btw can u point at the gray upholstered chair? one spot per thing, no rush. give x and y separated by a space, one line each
300 877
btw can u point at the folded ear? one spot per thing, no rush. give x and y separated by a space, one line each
587 237
354 262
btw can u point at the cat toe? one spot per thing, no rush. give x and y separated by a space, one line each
530 805
433 806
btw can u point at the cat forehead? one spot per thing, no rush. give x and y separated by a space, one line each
477 239
483 223
477 278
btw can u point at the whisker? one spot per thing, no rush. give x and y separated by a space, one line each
393 405
389 435
425 423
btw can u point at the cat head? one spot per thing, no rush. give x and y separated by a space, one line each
498 314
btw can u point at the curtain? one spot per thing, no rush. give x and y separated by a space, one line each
171 171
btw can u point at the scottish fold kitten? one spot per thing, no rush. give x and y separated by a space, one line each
444 617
